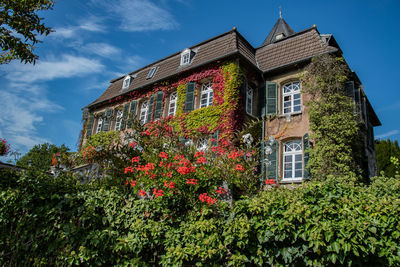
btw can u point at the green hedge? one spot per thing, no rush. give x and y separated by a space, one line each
55 221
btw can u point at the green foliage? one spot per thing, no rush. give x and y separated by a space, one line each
338 148
54 221
40 156
385 149
20 25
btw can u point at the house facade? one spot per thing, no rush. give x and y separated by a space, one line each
215 86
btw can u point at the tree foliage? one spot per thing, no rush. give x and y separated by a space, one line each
40 156
20 25
335 129
385 149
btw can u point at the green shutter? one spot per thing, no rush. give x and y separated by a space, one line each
271 98
158 108
271 171
124 116
189 101
89 126
306 155
150 113
132 114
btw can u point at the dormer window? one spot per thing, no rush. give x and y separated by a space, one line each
187 56
127 82
279 36
151 73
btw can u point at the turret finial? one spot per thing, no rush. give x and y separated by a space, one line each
280 12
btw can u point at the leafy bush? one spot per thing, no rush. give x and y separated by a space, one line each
56 221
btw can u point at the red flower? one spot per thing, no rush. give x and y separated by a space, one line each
191 181
147 132
201 160
158 192
142 193
239 167
204 198
135 159
221 191
132 145
133 183
198 153
163 155
270 181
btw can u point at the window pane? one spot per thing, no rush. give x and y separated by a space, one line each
287 174
298 174
288 158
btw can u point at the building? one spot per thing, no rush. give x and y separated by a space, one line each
216 85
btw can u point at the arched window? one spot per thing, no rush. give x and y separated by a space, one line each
291 98
206 95
293 160
99 125
172 104
118 120
144 109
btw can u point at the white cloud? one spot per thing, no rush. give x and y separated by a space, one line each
388 134
20 115
139 15
45 70
101 49
91 24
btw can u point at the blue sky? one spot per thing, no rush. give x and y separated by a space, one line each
98 40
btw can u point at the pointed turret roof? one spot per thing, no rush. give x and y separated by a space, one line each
281 30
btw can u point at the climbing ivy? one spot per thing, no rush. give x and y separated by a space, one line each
335 128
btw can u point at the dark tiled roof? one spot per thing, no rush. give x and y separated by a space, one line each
280 27
292 49
300 46
217 47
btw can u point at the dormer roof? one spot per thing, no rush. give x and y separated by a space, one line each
280 30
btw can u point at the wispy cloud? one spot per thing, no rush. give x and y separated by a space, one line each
101 49
45 70
91 24
139 15
388 134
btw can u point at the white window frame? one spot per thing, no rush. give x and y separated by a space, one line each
144 110
206 94
173 98
126 83
293 150
99 125
118 120
249 100
292 97
185 57
152 71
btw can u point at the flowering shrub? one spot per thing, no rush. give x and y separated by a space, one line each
4 147
154 163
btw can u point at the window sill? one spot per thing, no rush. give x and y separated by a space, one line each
291 181
291 114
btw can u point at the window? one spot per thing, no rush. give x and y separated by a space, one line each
172 104
293 160
249 100
291 98
126 83
99 125
118 120
206 95
151 72
144 109
185 57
